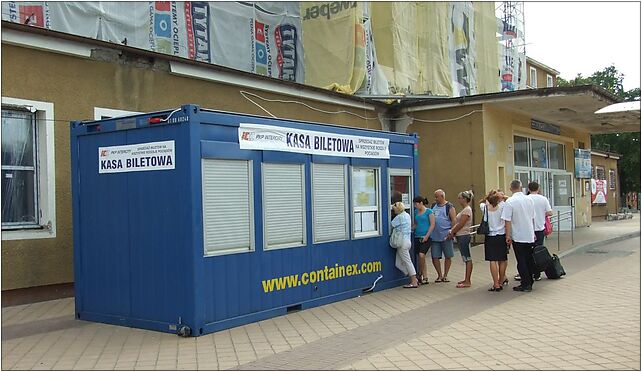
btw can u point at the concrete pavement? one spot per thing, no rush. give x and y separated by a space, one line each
590 319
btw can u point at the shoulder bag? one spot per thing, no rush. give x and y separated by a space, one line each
396 238
483 228
548 226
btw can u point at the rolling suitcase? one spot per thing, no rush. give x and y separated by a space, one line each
542 258
555 269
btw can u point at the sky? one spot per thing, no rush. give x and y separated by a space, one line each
584 37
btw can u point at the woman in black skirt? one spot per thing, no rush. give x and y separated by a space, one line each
495 248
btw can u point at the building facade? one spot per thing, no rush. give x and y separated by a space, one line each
539 75
485 141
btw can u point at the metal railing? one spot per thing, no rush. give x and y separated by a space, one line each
555 221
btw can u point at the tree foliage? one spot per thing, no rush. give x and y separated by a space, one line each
626 144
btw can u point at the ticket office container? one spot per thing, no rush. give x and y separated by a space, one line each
225 235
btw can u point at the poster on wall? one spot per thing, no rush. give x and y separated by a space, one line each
582 163
598 191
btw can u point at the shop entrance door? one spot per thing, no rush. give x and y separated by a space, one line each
562 200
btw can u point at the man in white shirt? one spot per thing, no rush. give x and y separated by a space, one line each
518 214
542 209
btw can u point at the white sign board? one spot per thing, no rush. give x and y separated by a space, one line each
140 157
268 137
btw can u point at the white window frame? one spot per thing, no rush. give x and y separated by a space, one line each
46 171
597 175
304 243
612 179
531 76
549 80
403 172
345 206
108 113
377 209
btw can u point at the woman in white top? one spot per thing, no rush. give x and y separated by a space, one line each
495 248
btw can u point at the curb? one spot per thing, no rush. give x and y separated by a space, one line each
601 242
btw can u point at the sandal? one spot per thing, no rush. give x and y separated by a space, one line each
505 282
410 286
425 281
439 280
445 280
462 285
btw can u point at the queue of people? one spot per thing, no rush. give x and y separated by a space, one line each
516 221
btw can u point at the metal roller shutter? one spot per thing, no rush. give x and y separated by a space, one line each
284 205
329 202
227 200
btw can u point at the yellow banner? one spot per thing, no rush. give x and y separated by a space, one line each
333 57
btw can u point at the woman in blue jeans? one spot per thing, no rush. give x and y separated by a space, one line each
461 232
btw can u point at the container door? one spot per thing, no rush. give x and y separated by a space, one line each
562 200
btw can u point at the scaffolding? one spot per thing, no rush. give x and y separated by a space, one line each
510 21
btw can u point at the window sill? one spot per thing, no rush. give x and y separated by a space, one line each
365 235
27 234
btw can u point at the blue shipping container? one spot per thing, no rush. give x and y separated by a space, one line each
192 221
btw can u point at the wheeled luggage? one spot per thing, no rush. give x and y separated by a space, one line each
555 269
542 258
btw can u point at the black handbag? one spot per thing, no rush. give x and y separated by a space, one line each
483 228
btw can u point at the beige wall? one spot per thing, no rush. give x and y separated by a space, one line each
613 196
75 86
500 126
541 76
450 153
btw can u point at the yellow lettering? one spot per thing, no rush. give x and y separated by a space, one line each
268 285
313 277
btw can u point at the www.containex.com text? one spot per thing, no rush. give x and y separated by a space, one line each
327 273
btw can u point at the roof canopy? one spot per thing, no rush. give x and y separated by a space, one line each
565 106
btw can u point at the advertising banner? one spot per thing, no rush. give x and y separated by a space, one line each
332 38
32 13
582 163
262 37
375 80
461 43
268 137
598 191
140 157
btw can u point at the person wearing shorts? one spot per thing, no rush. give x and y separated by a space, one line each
441 245
461 232
423 224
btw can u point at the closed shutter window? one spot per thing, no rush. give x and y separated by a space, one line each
228 222
284 205
329 202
